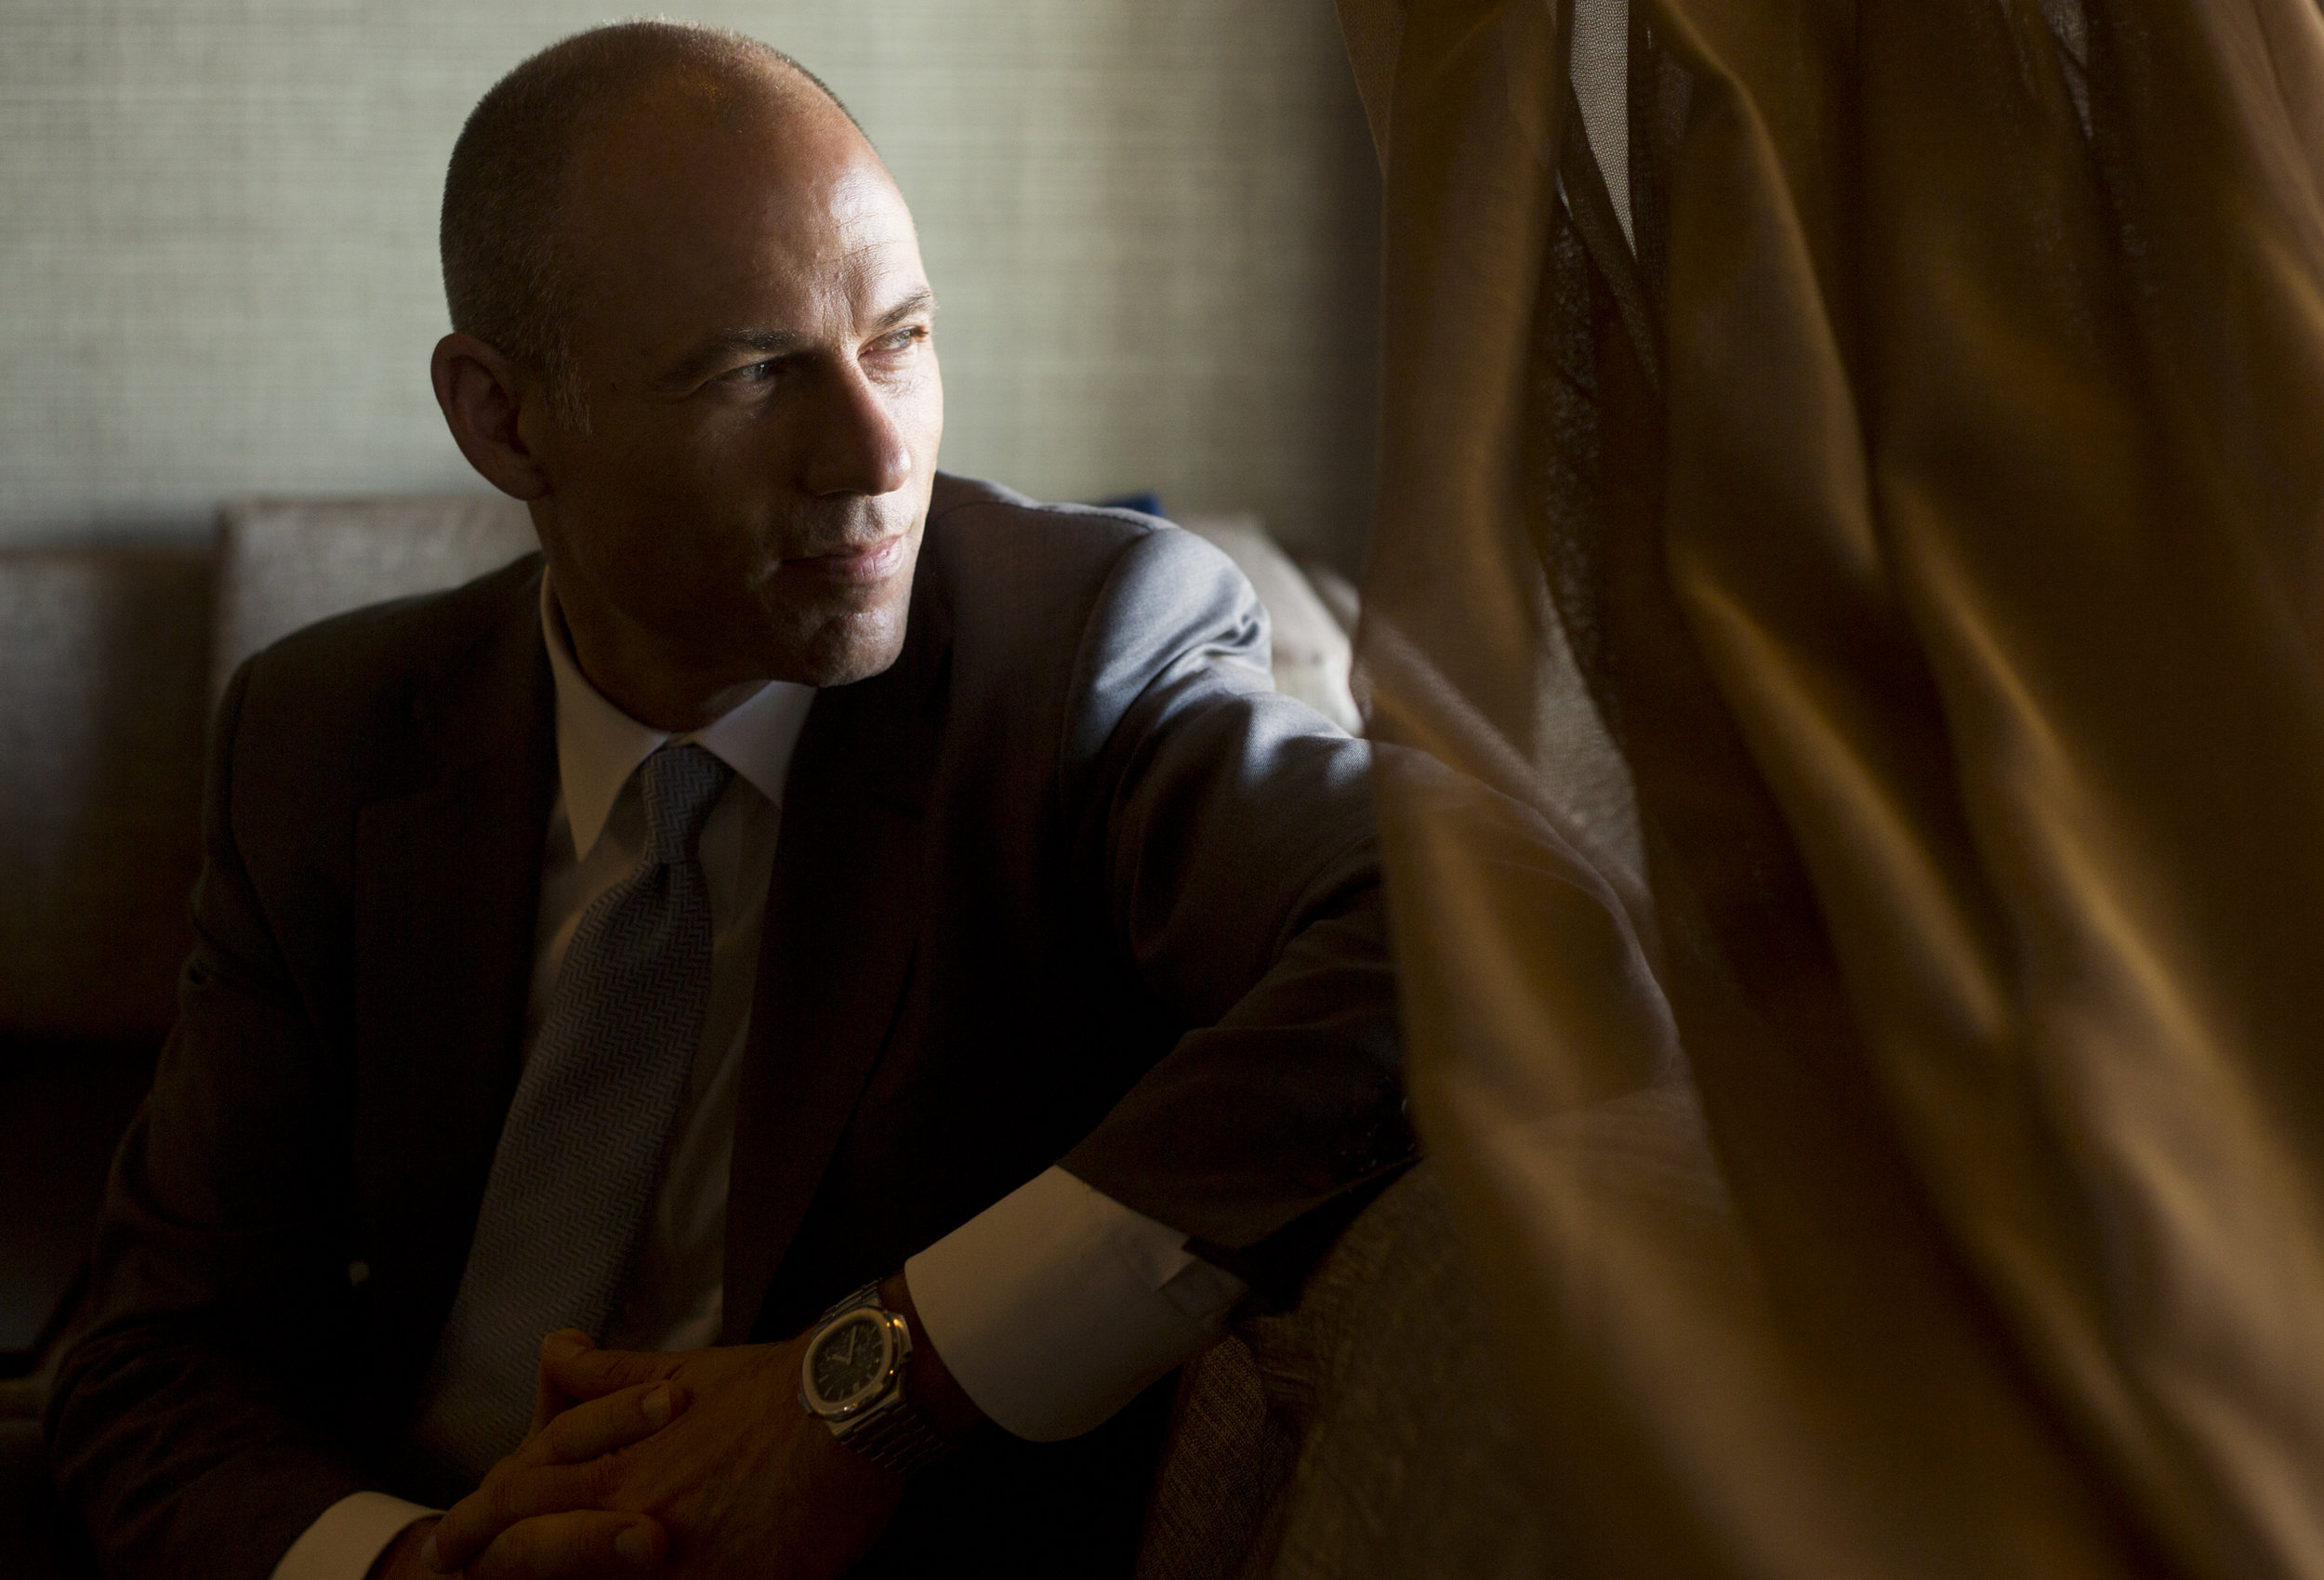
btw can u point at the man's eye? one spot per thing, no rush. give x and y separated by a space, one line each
756 373
902 339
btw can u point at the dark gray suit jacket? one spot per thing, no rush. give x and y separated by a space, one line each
1068 882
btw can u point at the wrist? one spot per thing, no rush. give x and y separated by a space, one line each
929 1386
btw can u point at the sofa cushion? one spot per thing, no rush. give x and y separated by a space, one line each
103 656
63 1106
37 1541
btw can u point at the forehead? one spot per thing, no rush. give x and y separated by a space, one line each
680 215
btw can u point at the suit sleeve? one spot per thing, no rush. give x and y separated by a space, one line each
190 1424
1232 831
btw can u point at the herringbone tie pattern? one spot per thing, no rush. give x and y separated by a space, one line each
581 1152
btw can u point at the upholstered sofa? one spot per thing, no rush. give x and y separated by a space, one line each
1355 1435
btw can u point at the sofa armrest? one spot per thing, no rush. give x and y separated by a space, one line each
1356 1435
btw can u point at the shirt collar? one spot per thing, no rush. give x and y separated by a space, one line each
599 746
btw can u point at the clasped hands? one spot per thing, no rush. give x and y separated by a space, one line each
694 1464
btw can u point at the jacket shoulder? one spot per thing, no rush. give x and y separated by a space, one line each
1002 558
329 717
975 521
1062 614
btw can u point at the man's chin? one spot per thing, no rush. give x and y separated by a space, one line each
844 649
834 632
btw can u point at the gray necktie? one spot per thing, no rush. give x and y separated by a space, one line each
581 1152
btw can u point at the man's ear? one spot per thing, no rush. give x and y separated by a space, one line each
483 394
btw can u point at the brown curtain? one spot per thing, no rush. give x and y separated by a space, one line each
1852 489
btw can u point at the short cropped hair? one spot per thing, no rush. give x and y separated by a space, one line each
507 279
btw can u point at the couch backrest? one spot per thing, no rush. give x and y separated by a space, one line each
111 660
283 563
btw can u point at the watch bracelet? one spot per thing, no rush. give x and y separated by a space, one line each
855 1300
897 1437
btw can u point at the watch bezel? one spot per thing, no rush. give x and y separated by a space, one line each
895 1338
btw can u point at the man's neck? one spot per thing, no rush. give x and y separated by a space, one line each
641 683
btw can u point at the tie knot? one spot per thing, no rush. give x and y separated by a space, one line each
680 784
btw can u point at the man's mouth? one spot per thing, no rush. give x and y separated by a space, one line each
872 562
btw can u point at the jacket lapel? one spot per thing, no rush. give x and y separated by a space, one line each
448 882
843 915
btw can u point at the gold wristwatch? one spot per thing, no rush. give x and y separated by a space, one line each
853 1376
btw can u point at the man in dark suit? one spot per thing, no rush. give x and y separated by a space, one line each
813 874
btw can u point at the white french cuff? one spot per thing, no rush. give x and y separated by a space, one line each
348 1537
1056 1305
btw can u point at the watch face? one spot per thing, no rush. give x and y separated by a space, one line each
850 1358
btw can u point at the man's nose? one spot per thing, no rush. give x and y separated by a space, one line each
857 447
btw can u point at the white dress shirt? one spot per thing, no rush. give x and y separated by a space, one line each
1052 1308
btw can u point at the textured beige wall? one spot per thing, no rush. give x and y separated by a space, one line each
1151 222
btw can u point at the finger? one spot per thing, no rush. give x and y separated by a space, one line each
549 1400
563 1466
587 1373
600 1426
567 1547
512 1494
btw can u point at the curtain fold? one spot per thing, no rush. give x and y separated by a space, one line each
1861 555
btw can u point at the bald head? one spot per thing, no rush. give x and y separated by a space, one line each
693 332
508 275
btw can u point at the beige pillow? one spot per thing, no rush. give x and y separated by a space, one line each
1311 656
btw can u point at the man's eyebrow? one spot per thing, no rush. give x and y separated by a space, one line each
691 368
718 348
921 301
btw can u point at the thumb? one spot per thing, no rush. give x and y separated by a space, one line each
549 1400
